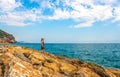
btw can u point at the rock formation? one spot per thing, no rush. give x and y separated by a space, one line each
16 61
6 37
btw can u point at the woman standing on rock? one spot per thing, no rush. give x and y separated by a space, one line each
42 44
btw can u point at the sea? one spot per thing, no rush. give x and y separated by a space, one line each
104 54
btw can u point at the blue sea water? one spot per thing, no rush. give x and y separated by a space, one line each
104 54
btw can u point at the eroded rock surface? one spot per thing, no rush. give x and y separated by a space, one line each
16 61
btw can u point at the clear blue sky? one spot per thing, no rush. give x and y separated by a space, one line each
72 21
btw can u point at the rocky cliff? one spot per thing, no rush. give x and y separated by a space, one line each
6 37
16 61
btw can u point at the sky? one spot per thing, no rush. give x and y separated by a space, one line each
62 21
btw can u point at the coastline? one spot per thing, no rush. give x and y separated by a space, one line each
48 65
97 53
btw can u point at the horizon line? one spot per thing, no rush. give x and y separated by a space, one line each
69 42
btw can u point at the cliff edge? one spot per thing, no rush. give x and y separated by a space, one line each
16 61
6 37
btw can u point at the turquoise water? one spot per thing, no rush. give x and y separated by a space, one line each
107 54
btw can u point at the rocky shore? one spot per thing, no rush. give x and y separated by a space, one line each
16 61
